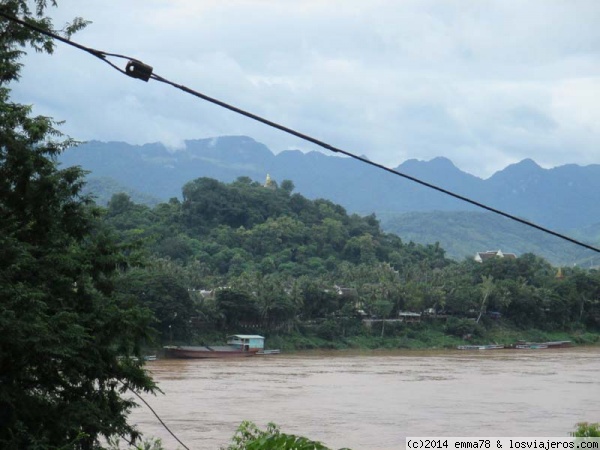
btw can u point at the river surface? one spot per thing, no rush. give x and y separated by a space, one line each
373 400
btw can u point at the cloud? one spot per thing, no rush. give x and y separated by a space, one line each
485 84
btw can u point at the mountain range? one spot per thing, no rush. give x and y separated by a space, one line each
562 198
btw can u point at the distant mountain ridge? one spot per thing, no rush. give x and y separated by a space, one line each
561 198
462 234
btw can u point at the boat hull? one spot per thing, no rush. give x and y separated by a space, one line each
206 353
268 352
531 347
519 345
481 347
522 345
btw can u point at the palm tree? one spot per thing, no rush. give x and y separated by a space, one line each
486 287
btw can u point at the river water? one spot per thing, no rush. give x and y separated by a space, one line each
373 400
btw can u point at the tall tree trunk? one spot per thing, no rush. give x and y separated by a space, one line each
482 308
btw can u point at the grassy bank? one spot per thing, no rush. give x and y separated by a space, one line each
429 339
406 336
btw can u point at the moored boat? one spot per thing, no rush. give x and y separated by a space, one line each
238 345
481 347
559 344
135 358
531 346
523 345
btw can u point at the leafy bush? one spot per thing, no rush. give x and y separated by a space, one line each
463 327
585 429
145 444
249 437
329 330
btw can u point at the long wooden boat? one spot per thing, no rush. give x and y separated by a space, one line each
530 346
481 347
519 345
207 352
559 344
523 345
238 345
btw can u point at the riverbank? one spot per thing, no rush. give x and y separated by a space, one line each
425 339
409 336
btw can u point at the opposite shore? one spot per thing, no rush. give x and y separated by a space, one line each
416 337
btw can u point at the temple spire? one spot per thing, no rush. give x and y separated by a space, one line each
269 182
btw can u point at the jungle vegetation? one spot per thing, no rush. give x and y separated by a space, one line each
244 255
67 336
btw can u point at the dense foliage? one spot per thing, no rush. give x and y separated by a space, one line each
246 255
585 429
250 437
62 324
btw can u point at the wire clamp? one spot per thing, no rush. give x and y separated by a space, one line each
137 69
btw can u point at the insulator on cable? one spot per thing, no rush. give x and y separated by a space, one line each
137 69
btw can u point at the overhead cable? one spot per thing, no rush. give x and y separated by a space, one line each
137 69
156 415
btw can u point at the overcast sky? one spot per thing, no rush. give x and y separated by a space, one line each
483 83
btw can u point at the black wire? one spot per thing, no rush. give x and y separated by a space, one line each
129 441
157 416
92 51
102 55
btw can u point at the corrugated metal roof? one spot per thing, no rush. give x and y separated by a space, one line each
246 336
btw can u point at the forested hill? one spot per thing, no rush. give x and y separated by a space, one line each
248 255
244 226
269 257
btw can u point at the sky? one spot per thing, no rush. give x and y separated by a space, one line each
485 83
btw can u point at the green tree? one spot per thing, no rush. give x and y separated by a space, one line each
236 307
165 296
275 305
62 326
383 308
585 429
486 287
361 249
287 186
317 298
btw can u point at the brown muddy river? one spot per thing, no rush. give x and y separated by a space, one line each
373 400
